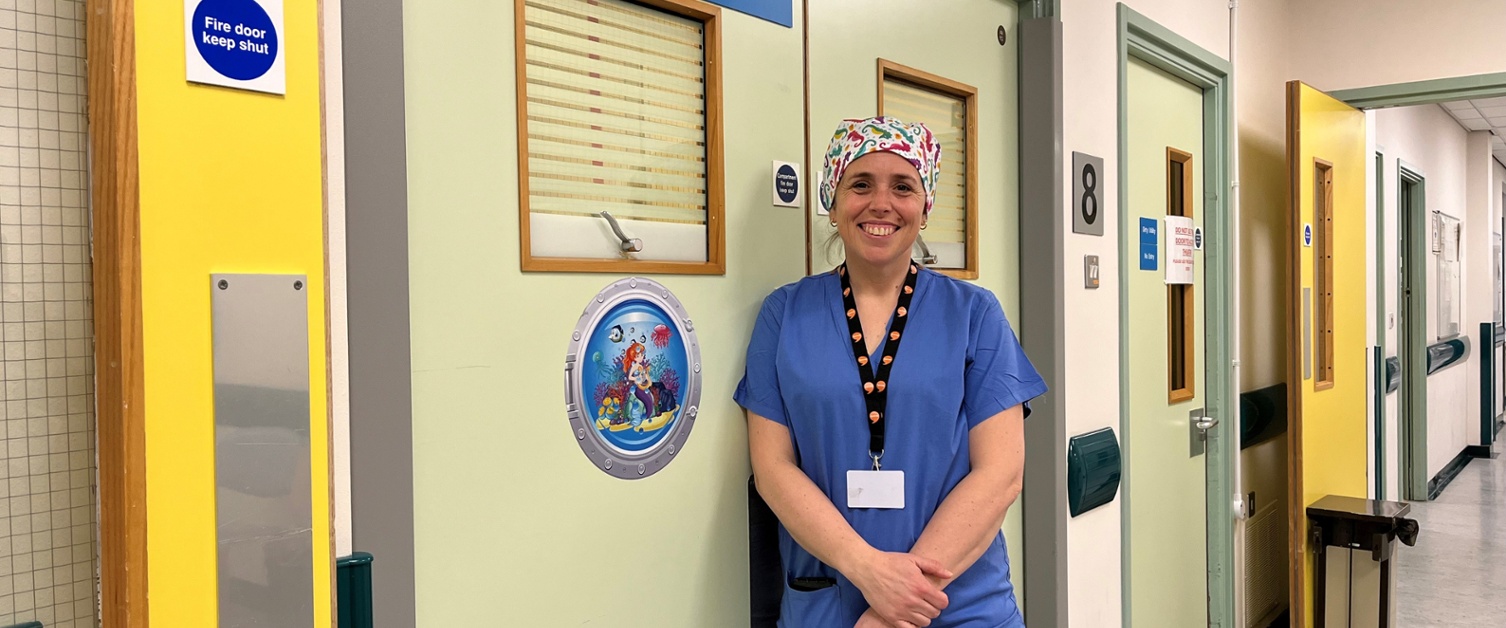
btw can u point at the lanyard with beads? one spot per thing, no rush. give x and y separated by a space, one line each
875 385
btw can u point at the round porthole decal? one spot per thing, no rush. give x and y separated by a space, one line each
633 378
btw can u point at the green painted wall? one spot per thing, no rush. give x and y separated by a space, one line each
513 525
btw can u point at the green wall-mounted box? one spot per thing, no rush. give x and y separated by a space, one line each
1093 470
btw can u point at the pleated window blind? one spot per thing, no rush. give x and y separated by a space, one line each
615 104
946 107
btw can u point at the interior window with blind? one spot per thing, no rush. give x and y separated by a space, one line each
619 138
949 109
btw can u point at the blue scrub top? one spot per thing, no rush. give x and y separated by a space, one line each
958 365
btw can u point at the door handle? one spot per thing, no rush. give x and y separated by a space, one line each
1198 424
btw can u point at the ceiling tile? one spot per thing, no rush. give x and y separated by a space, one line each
1457 105
1490 102
1493 112
1477 124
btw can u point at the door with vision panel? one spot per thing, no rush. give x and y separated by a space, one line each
1165 546
927 84
965 91
1326 164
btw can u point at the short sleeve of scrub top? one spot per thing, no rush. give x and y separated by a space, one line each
959 364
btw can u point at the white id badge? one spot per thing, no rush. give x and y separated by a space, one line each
876 489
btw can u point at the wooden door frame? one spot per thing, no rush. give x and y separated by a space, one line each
116 248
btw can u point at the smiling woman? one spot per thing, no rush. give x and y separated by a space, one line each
904 534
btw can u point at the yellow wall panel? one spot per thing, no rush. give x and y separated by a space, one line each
231 182
1333 419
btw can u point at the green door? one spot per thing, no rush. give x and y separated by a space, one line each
1166 480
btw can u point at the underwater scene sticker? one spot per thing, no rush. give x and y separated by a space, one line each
632 378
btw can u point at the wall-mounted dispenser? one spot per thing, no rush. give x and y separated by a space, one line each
1093 470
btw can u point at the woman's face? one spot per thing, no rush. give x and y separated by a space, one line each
879 208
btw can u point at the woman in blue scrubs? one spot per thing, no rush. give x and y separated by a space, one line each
886 411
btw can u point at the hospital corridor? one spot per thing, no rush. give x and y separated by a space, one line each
752 314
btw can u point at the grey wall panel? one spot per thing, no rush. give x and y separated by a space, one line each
1042 320
376 201
263 502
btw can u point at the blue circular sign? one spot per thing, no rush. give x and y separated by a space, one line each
787 183
1307 235
235 37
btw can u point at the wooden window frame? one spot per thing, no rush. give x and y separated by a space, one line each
1180 297
710 17
1323 323
889 70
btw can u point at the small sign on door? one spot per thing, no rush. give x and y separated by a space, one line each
1181 241
1150 242
235 43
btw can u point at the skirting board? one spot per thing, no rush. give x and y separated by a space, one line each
1478 451
1452 469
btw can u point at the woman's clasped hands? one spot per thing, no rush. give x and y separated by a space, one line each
901 589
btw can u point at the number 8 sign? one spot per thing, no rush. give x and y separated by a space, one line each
1087 200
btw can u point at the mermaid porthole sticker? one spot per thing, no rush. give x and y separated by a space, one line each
633 378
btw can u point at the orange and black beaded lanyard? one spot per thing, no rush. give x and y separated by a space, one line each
875 385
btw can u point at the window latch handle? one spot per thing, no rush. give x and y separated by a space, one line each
629 245
926 257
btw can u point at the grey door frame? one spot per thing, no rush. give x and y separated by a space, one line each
1411 294
1142 38
1043 309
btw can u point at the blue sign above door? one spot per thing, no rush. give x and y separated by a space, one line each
781 12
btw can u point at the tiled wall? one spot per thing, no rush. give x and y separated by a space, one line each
47 481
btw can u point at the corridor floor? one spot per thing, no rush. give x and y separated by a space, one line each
1456 575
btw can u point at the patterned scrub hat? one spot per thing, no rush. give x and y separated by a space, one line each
855 138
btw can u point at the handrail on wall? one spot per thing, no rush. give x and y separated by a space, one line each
1444 354
1441 355
1262 415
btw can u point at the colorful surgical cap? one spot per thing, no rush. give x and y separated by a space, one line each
855 138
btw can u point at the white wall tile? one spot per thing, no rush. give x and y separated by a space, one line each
46 414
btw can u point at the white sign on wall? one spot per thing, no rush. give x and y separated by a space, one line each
235 43
1181 241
